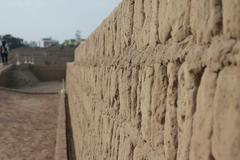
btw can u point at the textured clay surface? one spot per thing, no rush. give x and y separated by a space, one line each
28 125
159 80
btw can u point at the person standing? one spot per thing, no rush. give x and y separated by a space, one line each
4 52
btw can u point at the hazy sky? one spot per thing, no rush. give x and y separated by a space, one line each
36 19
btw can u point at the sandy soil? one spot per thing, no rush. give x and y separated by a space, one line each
27 126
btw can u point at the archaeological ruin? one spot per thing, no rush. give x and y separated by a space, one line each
157 80
32 105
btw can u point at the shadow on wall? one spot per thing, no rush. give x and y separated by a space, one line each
30 75
4 74
70 141
48 72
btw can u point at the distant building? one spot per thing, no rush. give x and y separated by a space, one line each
71 43
49 42
33 44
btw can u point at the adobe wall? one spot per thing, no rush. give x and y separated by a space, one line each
159 80
49 72
5 72
13 76
43 56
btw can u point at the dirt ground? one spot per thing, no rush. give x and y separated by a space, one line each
28 126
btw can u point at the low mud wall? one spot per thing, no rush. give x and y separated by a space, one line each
4 74
43 56
159 80
29 75
49 72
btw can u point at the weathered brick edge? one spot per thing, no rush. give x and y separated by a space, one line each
61 138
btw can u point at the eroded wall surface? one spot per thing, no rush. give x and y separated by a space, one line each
159 80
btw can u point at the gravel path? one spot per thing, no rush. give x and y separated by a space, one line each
28 126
